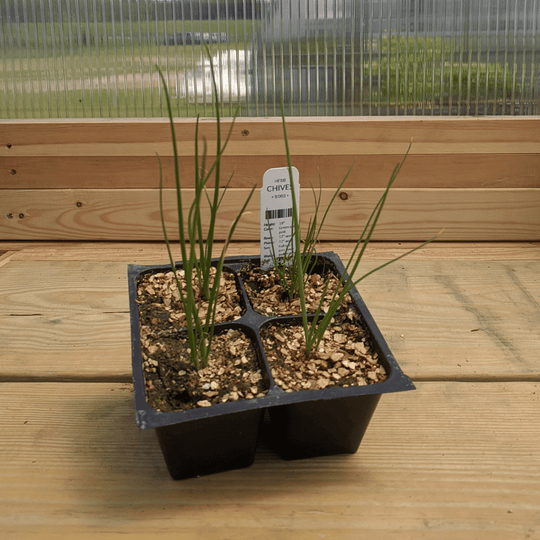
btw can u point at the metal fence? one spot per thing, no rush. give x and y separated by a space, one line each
98 58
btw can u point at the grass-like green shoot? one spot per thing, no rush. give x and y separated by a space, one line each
195 246
289 268
314 330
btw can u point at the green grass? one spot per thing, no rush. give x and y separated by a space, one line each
433 70
41 38
104 79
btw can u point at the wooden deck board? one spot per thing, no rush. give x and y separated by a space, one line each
457 458
155 252
446 460
490 170
443 318
410 214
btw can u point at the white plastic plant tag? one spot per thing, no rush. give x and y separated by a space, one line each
276 215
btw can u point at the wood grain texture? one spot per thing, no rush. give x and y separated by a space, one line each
155 252
308 136
443 319
370 171
5 257
410 214
453 459
445 461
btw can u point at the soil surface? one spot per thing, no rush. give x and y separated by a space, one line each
173 384
159 300
270 298
345 356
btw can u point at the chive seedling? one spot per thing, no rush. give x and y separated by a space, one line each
315 330
195 246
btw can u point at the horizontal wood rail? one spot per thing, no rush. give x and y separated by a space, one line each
478 178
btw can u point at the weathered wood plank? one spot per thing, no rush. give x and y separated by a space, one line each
255 137
5 257
474 320
447 460
155 252
410 214
369 171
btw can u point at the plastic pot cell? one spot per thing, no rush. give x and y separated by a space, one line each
303 424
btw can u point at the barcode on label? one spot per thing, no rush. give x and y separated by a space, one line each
279 213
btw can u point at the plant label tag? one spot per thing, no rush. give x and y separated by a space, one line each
276 216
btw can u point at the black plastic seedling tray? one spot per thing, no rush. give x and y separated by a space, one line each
302 424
